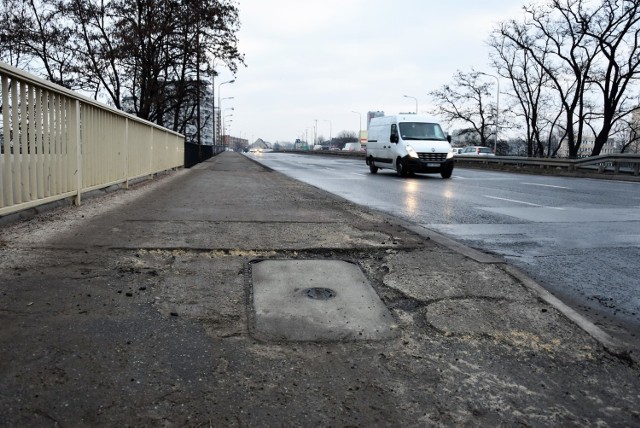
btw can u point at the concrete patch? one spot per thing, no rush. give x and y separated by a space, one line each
316 300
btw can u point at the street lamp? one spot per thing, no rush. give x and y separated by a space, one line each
330 136
223 124
416 100
219 105
359 124
495 147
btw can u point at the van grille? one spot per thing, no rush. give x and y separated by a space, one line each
432 157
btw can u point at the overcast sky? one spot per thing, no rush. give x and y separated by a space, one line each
323 59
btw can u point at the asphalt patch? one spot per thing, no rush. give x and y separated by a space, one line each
316 300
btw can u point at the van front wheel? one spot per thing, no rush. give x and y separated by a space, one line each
372 167
401 168
446 173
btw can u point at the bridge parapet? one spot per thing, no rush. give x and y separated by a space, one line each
56 144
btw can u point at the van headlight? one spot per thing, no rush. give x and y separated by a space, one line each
412 152
450 154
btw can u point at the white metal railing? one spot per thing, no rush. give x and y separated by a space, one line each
56 144
625 163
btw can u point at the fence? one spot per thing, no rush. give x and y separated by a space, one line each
628 164
56 144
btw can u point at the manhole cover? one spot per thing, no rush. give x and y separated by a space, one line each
319 293
326 300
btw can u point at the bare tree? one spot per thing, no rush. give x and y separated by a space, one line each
151 53
343 138
466 100
588 52
15 17
628 130
615 27
552 36
36 29
528 81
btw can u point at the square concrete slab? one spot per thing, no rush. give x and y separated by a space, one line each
317 300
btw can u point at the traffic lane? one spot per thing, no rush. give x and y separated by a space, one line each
471 197
420 198
482 188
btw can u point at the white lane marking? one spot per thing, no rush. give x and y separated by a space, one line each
547 185
512 200
526 203
357 173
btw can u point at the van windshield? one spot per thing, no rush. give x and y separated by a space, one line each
421 131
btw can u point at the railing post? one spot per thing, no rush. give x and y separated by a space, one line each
126 153
6 188
78 148
15 166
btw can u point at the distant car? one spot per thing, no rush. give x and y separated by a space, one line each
476 151
457 150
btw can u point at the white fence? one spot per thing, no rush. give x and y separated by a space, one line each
56 144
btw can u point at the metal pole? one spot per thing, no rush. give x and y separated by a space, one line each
213 101
495 146
416 100
330 136
219 105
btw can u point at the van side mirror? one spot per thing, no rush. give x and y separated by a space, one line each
394 134
449 138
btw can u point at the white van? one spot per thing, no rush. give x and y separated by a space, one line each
408 143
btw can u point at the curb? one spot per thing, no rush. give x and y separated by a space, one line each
610 344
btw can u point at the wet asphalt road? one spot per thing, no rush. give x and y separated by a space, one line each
578 237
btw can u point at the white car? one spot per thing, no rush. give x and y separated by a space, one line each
476 151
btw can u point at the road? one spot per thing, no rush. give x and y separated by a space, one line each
579 238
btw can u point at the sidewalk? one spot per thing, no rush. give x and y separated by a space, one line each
138 309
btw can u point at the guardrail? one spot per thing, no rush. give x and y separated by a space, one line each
56 144
624 164
612 163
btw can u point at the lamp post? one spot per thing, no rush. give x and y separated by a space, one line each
415 99
219 105
495 147
223 125
306 135
330 136
225 122
359 124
